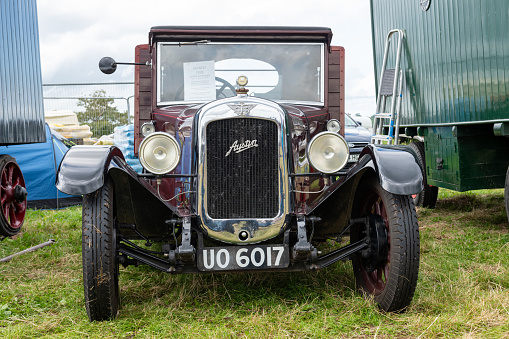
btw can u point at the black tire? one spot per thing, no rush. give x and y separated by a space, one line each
393 281
100 263
428 196
12 205
506 194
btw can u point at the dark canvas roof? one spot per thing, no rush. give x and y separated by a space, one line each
240 33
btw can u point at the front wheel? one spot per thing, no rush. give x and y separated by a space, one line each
99 245
390 277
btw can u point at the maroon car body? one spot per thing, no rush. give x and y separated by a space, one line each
245 176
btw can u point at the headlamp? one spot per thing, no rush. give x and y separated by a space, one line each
147 129
333 125
159 153
328 152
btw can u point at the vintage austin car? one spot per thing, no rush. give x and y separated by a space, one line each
239 134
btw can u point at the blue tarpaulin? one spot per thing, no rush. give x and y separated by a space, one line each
39 163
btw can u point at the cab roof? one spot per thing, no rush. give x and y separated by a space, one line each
241 33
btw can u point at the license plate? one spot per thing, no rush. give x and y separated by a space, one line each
243 257
353 158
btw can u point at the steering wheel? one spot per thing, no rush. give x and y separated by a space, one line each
225 84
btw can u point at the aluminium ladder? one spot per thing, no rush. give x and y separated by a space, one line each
391 81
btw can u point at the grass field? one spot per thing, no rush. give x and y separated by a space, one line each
463 288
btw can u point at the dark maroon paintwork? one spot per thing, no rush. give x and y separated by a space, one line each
311 119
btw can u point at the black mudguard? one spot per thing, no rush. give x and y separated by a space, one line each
397 167
83 171
398 173
84 168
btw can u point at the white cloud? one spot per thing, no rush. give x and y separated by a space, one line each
75 35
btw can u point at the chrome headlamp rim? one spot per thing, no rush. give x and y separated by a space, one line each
145 143
333 125
147 129
313 141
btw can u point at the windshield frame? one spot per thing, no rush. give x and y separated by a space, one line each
183 102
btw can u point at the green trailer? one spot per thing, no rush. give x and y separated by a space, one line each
451 90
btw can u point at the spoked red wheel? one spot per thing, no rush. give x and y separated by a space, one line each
374 270
13 203
388 269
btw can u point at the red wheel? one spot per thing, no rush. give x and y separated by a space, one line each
374 277
388 271
13 203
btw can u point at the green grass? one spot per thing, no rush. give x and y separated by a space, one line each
463 288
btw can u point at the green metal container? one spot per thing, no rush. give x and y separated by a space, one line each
455 63
455 58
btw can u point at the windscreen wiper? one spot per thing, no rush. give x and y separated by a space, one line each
194 42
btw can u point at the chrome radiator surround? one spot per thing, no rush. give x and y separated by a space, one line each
259 229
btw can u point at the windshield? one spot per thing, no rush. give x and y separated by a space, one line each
202 72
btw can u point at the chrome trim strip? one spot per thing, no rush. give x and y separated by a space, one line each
227 230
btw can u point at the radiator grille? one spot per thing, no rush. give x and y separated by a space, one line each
242 184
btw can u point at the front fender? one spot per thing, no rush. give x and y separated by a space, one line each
84 168
398 173
397 167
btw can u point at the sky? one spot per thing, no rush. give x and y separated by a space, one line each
74 35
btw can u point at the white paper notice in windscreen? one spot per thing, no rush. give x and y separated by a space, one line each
199 81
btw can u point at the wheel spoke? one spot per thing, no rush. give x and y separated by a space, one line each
377 279
10 170
17 182
4 176
20 207
377 208
379 275
3 196
373 277
6 210
13 216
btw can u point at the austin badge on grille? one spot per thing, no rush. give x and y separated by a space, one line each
237 148
242 109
